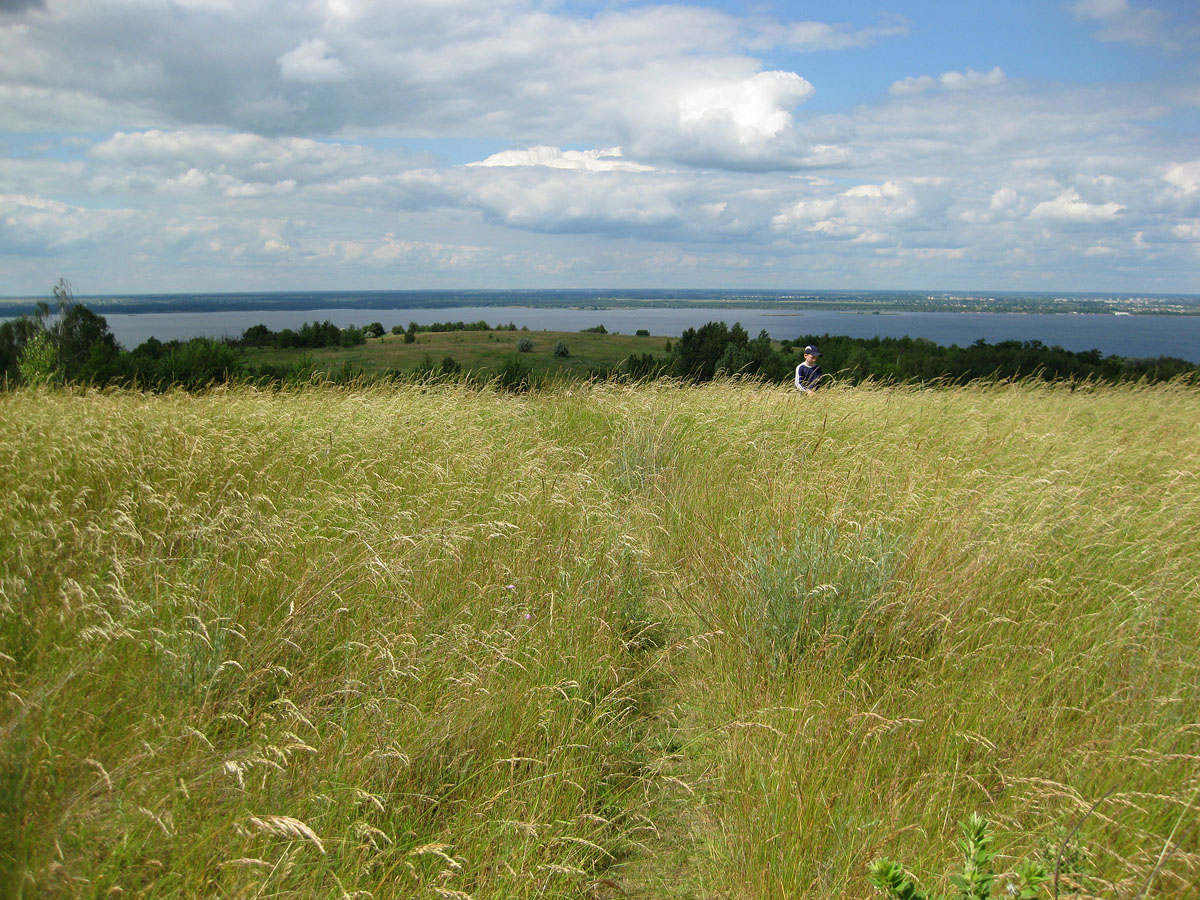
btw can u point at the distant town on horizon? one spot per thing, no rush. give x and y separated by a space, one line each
622 298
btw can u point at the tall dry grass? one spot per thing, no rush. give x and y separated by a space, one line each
993 596
598 640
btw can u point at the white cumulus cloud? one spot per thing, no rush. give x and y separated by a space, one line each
868 213
951 81
741 123
1070 207
752 110
312 62
1184 177
604 160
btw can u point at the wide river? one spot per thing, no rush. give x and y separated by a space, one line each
1137 336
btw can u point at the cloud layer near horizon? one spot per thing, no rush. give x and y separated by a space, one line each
212 144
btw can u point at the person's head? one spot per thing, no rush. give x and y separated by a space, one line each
810 354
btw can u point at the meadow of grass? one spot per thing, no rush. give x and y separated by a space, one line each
601 640
480 352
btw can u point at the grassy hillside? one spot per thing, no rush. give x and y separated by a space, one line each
598 641
482 352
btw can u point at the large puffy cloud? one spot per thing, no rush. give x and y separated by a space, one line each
213 196
1070 207
670 82
420 68
38 226
869 213
661 130
1183 180
743 124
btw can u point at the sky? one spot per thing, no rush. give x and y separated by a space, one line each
241 145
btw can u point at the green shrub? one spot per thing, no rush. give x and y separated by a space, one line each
816 587
514 375
525 345
974 881
38 360
196 364
642 365
427 368
352 336
561 349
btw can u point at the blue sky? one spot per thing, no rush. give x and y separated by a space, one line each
205 145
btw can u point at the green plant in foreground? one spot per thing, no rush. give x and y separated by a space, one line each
38 362
974 882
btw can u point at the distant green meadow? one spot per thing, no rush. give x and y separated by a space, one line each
656 640
480 352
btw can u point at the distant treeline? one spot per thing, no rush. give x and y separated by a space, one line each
310 336
410 333
714 348
76 346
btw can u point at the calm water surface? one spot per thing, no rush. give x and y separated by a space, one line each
1139 336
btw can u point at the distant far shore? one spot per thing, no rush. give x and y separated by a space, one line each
842 301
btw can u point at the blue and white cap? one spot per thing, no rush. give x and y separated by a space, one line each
812 348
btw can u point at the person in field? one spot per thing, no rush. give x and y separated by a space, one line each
808 373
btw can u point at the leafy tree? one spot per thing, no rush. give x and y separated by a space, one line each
86 346
351 336
736 360
698 352
198 363
37 362
258 336
320 334
14 335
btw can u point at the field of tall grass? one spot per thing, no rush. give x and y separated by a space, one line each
602 640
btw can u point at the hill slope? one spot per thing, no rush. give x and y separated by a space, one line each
605 640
